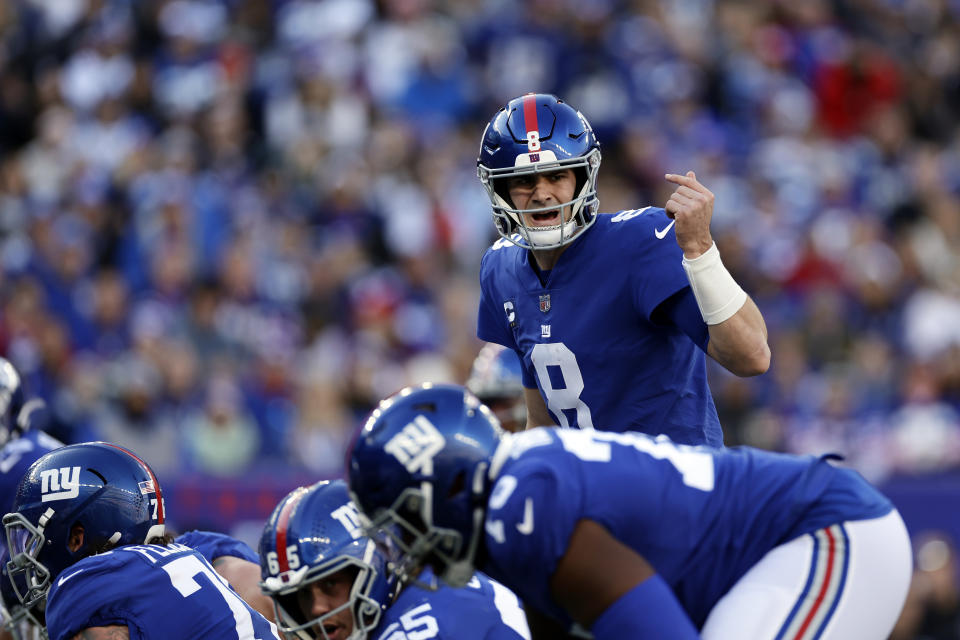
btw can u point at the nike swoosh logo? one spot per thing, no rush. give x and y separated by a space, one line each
661 234
65 578
526 527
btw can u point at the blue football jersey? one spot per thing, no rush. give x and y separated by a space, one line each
16 456
212 545
482 610
589 338
159 593
700 516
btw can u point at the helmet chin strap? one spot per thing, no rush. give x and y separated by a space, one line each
155 531
561 232
458 574
549 236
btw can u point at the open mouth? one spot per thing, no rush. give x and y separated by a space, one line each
546 218
332 631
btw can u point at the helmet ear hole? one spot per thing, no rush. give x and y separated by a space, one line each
76 539
501 188
458 485
580 173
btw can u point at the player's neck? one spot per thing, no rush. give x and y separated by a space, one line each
546 259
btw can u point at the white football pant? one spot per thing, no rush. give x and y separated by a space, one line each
844 582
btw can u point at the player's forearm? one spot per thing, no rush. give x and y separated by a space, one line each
537 414
738 334
739 343
650 611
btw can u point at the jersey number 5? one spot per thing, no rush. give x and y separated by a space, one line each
417 624
567 397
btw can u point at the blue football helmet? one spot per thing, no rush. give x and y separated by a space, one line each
105 489
15 409
418 472
496 378
314 533
539 133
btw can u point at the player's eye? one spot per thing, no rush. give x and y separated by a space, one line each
328 585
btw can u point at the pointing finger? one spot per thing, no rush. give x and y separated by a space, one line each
689 180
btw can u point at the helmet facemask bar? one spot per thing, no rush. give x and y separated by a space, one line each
25 542
510 220
418 544
365 610
15 623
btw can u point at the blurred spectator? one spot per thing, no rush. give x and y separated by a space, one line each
220 437
932 611
130 416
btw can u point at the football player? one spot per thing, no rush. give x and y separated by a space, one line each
329 581
611 315
234 560
497 379
22 440
629 535
89 548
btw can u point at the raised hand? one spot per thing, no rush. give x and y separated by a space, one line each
691 205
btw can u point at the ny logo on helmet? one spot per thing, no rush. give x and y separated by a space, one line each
349 517
59 484
416 445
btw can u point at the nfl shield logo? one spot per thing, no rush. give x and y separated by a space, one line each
545 302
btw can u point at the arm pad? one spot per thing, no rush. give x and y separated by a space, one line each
718 294
649 611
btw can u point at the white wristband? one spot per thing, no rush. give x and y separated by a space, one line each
718 294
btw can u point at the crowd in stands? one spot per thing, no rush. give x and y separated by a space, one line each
229 227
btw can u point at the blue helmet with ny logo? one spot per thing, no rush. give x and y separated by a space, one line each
418 472
539 133
74 502
312 534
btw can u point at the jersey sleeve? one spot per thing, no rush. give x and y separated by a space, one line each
528 375
493 315
656 261
212 545
92 593
532 513
682 311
